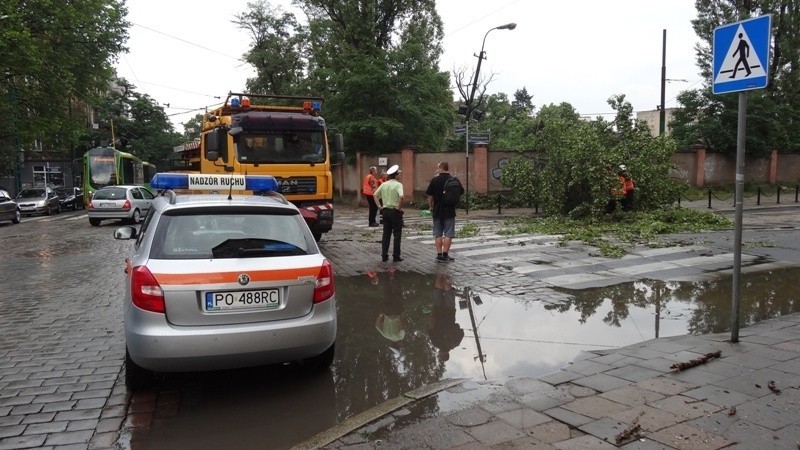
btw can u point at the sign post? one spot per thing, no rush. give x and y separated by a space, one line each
740 64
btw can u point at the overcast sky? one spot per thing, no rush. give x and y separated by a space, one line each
184 53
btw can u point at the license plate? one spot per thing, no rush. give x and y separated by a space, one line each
236 300
108 205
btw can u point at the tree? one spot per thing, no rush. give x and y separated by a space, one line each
575 168
511 123
56 59
774 112
192 128
146 130
278 49
376 64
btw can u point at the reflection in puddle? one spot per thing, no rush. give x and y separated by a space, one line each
399 331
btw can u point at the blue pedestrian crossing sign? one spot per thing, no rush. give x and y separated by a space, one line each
741 55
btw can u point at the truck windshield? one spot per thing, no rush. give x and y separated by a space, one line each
281 147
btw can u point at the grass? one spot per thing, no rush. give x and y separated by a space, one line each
469 229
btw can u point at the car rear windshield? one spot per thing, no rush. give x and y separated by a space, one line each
110 194
231 235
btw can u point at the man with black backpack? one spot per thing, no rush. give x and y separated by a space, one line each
444 192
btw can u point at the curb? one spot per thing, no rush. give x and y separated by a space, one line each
359 420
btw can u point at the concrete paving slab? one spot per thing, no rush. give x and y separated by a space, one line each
791 366
688 407
607 429
718 396
755 383
469 417
595 407
666 386
683 436
587 367
645 444
773 411
562 376
583 443
494 433
651 419
523 418
602 382
633 373
632 396
549 432
568 417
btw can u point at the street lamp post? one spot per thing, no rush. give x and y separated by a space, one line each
471 100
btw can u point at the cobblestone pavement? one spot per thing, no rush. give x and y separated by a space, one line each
62 345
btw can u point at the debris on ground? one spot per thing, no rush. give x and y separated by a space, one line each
695 362
773 388
631 432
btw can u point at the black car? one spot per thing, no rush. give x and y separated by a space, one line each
70 198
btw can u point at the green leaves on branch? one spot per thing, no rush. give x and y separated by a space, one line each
574 168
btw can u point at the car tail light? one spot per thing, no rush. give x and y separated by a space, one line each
89 205
325 285
126 205
146 293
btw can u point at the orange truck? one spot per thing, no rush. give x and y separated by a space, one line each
279 135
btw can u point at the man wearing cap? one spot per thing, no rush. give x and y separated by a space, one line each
390 196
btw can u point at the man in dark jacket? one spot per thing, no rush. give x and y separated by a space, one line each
444 216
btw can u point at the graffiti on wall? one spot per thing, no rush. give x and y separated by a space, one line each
497 171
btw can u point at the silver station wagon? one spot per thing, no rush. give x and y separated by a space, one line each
219 281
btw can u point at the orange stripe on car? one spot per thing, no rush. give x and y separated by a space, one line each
233 277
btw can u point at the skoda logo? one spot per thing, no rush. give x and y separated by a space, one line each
244 279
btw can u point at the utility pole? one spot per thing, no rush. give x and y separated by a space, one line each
662 114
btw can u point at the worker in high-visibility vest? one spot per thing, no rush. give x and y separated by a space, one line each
368 189
628 188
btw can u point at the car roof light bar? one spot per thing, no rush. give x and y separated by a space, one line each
214 182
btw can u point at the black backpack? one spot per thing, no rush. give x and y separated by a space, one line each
451 192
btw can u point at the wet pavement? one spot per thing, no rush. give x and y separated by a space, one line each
513 314
589 396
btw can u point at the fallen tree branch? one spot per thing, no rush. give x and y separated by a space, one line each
631 432
696 362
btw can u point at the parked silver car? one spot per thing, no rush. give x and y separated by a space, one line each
38 201
8 208
129 203
218 282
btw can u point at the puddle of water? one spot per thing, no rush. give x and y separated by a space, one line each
398 331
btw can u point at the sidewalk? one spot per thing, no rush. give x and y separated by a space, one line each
633 397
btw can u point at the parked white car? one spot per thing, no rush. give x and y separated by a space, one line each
129 203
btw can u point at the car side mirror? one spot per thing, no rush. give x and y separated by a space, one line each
125 233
